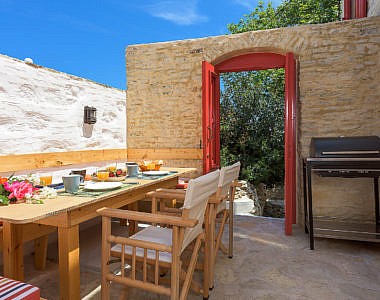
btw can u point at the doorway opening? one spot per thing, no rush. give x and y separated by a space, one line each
211 118
252 132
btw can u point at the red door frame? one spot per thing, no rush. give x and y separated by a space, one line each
262 61
290 142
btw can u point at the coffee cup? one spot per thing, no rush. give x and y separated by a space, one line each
71 182
132 169
79 172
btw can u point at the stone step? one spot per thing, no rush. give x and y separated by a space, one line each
243 206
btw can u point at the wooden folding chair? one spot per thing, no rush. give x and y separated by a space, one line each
226 192
219 210
158 247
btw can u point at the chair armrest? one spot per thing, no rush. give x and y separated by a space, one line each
146 217
166 194
214 199
173 191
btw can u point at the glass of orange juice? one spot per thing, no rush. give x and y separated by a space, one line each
151 166
46 179
102 175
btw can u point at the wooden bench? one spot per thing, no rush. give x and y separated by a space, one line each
13 289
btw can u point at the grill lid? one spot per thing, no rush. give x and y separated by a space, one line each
349 147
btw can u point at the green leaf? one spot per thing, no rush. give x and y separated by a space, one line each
4 200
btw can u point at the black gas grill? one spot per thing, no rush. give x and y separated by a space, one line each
348 157
357 156
346 147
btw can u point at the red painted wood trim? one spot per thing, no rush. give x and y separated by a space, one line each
360 9
252 61
290 143
207 69
216 104
347 10
205 91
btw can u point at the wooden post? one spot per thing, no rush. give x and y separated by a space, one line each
106 232
176 268
210 236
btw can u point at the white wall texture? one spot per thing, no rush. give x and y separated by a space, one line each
373 8
41 110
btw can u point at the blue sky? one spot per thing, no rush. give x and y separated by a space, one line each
87 38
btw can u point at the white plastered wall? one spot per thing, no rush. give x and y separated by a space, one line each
42 111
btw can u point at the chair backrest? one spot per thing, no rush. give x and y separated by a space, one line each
227 176
198 192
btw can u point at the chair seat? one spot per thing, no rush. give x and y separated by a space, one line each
152 234
13 289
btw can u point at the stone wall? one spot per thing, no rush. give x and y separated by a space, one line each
42 111
339 90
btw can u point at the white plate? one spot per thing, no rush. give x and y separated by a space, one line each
155 173
101 186
110 179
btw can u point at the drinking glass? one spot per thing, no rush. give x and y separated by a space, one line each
102 175
46 179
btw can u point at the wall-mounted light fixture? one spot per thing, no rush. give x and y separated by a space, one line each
89 115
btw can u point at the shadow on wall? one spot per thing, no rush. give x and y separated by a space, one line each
87 130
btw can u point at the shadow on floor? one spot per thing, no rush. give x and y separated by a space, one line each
266 265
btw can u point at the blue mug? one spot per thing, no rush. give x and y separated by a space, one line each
71 182
132 169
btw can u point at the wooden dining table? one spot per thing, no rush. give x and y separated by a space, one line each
66 212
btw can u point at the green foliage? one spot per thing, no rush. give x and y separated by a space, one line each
4 200
252 103
252 125
288 13
4 195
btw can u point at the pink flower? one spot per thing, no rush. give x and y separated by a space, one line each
19 189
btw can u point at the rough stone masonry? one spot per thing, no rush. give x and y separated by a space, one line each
338 95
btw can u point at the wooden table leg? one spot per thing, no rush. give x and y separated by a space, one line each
13 256
133 225
69 268
40 252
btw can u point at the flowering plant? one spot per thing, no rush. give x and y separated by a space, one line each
14 189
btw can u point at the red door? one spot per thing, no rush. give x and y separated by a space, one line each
210 117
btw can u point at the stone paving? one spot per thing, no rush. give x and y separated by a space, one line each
266 265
